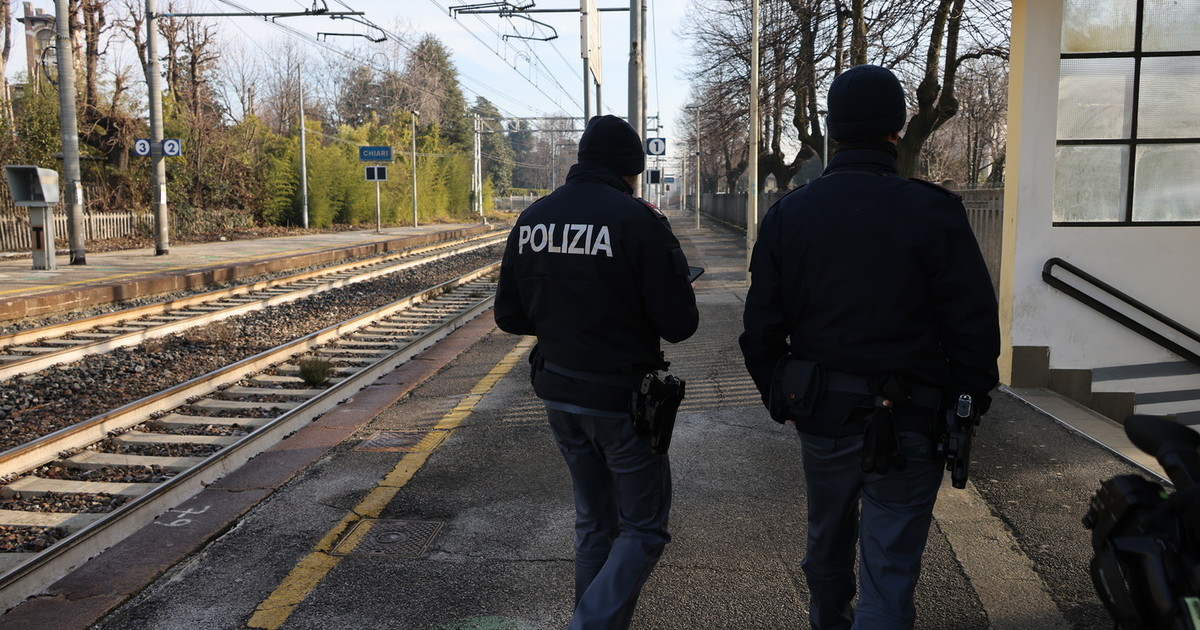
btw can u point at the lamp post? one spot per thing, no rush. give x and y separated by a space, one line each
824 114
683 185
752 153
697 108
415 113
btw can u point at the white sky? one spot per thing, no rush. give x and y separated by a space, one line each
473 41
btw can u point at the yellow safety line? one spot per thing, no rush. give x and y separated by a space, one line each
309 572
176 268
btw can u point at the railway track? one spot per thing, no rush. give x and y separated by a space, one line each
30 351
153 453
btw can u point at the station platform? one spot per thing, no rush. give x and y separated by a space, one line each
436 499
129 274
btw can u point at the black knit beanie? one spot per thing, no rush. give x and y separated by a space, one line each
866 102
614 143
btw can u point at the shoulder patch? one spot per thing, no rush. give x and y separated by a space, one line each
653 210
937 187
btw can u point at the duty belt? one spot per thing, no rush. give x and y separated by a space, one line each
623 381
918 394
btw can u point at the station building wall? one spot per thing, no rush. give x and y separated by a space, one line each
1155 263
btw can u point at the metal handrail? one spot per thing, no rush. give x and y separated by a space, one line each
1116 315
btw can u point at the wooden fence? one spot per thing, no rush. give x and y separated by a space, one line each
16 236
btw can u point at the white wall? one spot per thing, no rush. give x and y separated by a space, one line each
1160 266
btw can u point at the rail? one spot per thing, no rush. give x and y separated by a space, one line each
1121 318
456 302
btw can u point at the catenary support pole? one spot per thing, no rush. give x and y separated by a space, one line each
415 113
162 237
637 118
304 151
70 133
587 92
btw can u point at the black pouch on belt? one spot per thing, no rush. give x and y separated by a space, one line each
796 388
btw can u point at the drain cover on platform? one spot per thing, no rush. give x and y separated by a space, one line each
398 441
388 537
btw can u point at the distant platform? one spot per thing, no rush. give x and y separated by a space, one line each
118 276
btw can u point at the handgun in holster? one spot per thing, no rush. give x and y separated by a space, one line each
653 407
958 430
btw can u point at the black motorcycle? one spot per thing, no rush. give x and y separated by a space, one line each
1146 567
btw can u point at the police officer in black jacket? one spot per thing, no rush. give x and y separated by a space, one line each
598 277
878 281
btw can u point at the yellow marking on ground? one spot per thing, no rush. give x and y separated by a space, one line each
308 573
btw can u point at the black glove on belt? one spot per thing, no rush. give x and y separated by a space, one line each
881 443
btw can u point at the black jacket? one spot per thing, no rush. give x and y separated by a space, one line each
871 273
597 276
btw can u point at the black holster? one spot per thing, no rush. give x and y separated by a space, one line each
653 407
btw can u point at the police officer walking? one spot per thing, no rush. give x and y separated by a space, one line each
598 277
870 309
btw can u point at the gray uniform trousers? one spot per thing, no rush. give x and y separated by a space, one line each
622 498
897 509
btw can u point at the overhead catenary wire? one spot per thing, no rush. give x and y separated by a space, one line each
356 57
513 66
466 76
532 55
371 63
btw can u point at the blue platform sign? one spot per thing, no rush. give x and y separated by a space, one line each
375 154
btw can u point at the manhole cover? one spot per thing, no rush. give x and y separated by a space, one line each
388 537
395 441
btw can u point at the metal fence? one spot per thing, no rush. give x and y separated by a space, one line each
513 203
985 211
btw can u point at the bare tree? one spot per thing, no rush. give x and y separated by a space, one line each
104 126
720 33
925 42
969 148
239 74
279 107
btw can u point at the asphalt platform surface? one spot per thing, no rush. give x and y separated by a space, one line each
469 504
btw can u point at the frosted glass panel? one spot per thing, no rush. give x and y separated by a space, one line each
1166 183
1169 101
1098 25
1089 183
1095 99
1171 25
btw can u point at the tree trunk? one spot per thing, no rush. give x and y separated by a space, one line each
6 109
936 102
858 37
91 23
